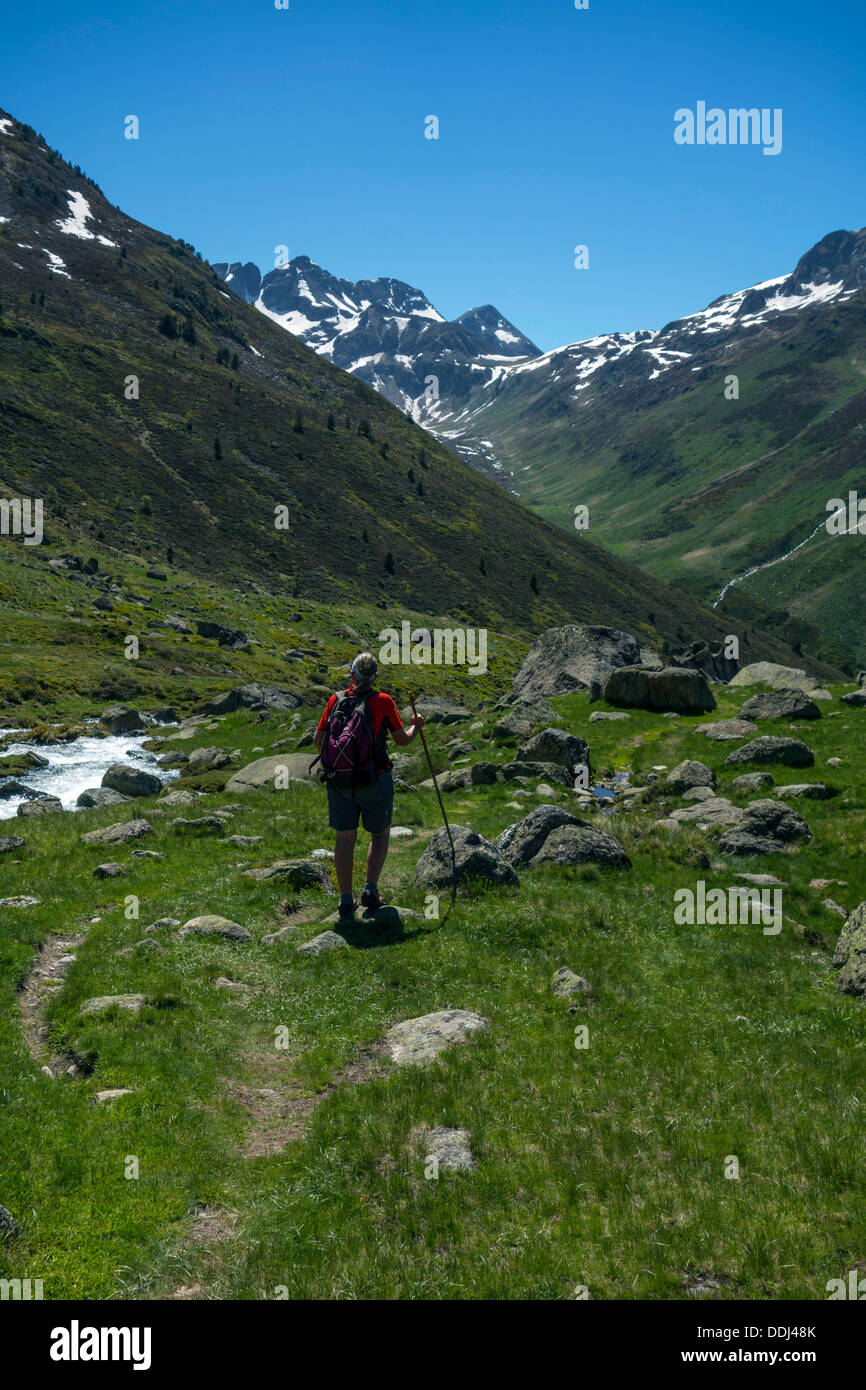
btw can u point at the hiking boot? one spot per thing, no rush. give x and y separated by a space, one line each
371 900
348 910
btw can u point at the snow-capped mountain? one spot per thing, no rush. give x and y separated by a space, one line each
386 332
455 377
831 273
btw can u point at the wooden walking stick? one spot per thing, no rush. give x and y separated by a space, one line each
441 804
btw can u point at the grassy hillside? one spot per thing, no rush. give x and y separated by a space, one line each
274 1147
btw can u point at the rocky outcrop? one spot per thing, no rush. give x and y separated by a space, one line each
254 696
709 658
571 658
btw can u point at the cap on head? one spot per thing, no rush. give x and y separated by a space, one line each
365 669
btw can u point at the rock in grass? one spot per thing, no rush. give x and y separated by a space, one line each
44 806
689 774
556 746
109 871
770 673
127 1003
180 796
161 924
325 941
551 772
420 1040
19 902
119 833
474 857
243 841
206 825
211 925
8 1225
811 791
206 760
99 796
772 749
850 953
783 703
113 1094
765 828
718 810
449 1149
173 758
272 771
298 873
131 781
8 843
699 794
551 834
856 698
602 716
753 782
723 730
566 983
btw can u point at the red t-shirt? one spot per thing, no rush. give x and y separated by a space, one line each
383 715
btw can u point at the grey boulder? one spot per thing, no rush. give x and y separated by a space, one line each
474 857
671 688
131 781
770 748
765 827
850 953
781 703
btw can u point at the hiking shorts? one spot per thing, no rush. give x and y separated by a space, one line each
373 805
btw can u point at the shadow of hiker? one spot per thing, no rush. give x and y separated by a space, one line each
381 928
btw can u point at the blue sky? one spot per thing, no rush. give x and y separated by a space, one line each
305 127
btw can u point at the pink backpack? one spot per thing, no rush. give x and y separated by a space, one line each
347 752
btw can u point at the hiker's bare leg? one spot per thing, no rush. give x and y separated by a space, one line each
344 855
376 855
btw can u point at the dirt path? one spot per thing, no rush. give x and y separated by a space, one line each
40 984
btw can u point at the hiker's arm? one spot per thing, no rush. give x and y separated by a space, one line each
318 737
403 736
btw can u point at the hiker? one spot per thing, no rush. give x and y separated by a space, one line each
351 737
